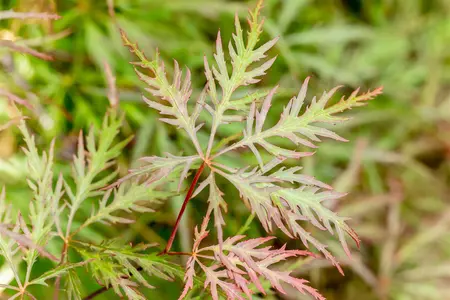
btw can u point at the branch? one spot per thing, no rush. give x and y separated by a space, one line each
96 293
183 208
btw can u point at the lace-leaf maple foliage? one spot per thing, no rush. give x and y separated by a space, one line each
280 197
54 214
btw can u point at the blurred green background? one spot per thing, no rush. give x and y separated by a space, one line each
396 166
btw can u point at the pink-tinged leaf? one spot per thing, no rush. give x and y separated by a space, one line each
184 173
306 201
250 119
297 140
314 130
220 73
243 53
156 168
177 93
216 205
323 101
300 99
264 110
291 175
260 52
211 85
236 255
254 279
254 193
275 277
292 123
307 238
228 264
188 277
163 109
173 122
242 283
201 187
251 77
216 279
282 152
200 235
177 73
232 52
238 37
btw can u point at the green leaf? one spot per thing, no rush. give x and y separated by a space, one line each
122 266
57 271
73 285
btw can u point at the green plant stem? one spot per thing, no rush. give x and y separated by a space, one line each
29 267
246 226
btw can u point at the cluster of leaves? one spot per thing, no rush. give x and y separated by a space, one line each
236 264
398 176
263 188
25 238
122 266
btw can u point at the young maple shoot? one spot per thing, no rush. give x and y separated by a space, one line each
280 197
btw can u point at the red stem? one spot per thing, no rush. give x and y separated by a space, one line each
178 253
183 208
